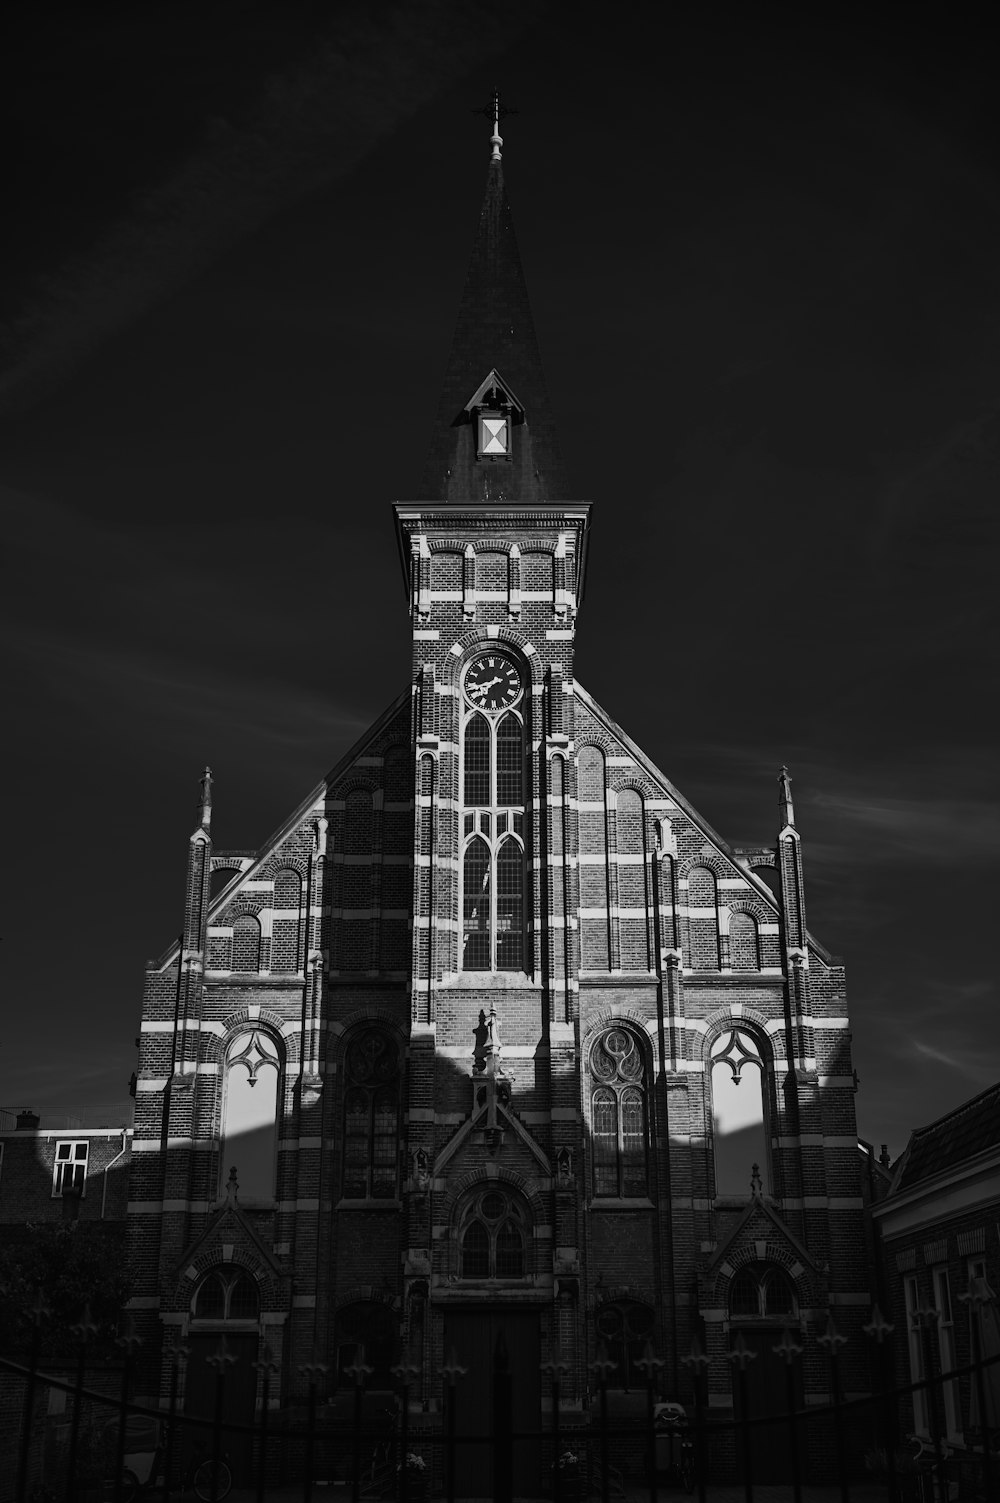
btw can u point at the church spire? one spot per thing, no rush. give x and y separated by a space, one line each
494 437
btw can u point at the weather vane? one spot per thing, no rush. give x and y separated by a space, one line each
495 111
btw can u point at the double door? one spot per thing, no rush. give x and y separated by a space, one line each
482 1339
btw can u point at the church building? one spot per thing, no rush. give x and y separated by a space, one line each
496 1035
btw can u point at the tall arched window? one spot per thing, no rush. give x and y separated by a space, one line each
739 1120
493 1236
618 1115
371 1117
250 1116
493 865
703 918
246 943
285 931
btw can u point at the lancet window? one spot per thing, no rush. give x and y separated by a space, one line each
493 834
250 1115
618 1115
371 1117
492 1237
739 1114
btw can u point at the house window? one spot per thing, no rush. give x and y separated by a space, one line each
946 1352
493 866
623 1329
739 1122
911 1298
492 1237
371 1117
250 1116
69 1172
618 1115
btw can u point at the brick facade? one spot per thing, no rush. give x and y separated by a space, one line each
567 1096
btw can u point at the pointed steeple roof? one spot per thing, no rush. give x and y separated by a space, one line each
495 339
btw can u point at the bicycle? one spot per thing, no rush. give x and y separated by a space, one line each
929 1479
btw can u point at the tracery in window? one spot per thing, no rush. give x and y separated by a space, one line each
761 1291
492 1237
739 1123
250 1115
226 1294
371 1117
618 1115
493 865
623 1328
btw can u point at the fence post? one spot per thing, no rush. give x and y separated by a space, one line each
405 1372
833 1341
503 1468
450 1372
741 1355
602 1368
929 1316
220 1359
128 1343
698 1361
879 1328
40 1312
180 1354
554 1370
788 1348
975 1299
358 1371
265 1365
312 1371
651 1366
83 1330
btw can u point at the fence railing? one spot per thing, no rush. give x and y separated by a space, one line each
111 1448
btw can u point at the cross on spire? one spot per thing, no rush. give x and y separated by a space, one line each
495 111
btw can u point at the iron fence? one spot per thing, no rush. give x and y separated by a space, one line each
576 1452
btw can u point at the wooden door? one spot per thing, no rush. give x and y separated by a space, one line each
473 1335
238 1404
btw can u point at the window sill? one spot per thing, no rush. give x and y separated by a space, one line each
490 981
368 1205
621 1203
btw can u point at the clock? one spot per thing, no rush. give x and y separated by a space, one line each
492 682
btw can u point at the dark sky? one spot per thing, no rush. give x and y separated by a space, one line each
763 260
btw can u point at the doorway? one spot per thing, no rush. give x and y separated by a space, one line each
473 1335
767 1404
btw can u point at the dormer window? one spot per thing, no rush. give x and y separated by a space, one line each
494 434
495 410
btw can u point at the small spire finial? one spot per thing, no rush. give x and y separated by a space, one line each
206 799
785 799
495 112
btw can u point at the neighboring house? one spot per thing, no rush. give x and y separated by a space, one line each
38 1165
496 1035
940 1231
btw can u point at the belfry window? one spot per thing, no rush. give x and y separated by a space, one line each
371 1117
618 1115
493 865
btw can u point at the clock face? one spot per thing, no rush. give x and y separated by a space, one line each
492 682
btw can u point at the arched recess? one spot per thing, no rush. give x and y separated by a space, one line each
246 943
285 925
744 941
356 881
397 859
595 930
740 1090
633 880
703 918
249 1127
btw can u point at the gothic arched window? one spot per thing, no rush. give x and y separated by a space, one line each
761 1291
493 865
493 1237
739 1117
371 1117
623 1328
618 1115
224 1295
250 1115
